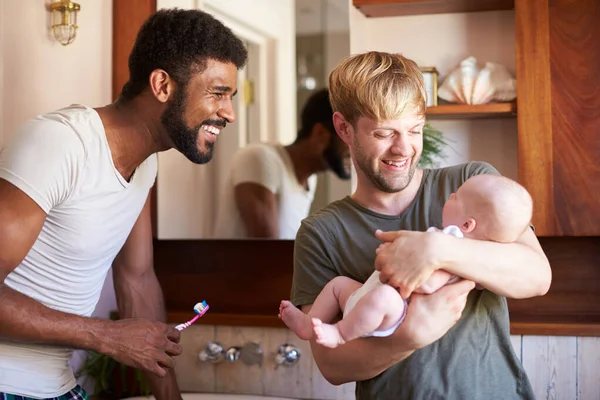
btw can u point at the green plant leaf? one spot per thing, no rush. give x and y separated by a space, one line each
101 368
433 146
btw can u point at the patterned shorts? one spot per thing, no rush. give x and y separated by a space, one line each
77 393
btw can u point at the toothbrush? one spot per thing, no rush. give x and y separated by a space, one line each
200 309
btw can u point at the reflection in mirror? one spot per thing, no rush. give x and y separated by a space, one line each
270 168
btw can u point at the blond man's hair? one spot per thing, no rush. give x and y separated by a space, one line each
376 85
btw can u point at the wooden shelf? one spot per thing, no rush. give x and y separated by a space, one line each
465 111
516 327
555 329
392 8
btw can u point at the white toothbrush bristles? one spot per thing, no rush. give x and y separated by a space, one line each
199 307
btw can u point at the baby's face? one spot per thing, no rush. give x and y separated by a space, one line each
454 212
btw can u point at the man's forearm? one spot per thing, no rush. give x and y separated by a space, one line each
143 299
25 319
359 359
514 270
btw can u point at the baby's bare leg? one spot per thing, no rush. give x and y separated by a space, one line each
378 309
326 307
438 279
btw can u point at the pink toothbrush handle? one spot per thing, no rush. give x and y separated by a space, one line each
181 327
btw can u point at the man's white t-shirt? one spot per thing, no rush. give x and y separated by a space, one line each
268 165
63 162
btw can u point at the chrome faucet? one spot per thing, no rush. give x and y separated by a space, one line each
213 352
233 354
287 355
251 353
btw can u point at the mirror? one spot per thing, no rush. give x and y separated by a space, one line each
292 47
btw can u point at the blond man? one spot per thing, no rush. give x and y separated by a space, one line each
453 343
485 207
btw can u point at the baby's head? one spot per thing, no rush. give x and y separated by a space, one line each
489 207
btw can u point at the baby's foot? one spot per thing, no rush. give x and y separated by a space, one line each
327 335
296 320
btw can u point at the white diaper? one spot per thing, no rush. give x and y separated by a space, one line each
369 285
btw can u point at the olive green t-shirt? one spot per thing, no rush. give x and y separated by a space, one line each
475 359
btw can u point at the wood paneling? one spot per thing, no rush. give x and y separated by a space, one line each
128 17
534 109
588 368
558 368
559 122
564 328
301 381
388 8
248 277
551 363
574 63
245 280
574 296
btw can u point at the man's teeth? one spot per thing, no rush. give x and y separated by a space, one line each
211 129
396 163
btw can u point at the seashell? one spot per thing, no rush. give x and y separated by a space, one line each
468 84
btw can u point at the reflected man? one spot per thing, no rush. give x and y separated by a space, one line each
269 188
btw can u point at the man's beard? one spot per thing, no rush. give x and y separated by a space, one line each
379 180
185 139
336 162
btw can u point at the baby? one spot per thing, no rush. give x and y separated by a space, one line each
485 207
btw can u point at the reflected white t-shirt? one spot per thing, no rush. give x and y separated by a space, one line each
268 165
63 162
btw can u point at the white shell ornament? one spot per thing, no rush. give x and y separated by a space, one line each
469 84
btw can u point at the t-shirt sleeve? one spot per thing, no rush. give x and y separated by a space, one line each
312 266
478 168
256 164
43 160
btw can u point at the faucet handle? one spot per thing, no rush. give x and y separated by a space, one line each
213 352
233 354
287 355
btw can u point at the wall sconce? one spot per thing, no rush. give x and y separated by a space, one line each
64 21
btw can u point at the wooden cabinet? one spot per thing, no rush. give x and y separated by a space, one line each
558 92
558 102
558 118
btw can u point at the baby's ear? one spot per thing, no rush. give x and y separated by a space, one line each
469 225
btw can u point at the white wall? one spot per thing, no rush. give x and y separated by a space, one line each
275 20
443 40
38 74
